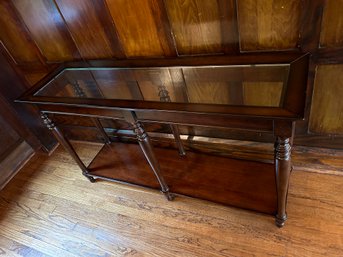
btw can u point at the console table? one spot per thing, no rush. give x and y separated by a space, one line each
259 92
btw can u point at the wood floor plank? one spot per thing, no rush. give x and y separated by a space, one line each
24 237
12 248
50 209
146 229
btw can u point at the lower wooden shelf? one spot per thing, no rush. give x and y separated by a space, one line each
239 183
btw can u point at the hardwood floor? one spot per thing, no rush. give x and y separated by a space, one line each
50 209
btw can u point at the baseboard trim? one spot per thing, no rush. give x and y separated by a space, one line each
14 161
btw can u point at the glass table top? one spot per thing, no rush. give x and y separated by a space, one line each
239 85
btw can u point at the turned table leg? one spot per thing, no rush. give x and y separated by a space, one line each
282 171
145 145
65 143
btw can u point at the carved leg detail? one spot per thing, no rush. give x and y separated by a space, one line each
282 170
65 143
176 133
101 130
144 143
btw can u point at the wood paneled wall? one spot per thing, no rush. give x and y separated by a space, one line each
9 139
23 119
37 34
269 25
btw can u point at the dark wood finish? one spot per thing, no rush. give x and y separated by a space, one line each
302 126
282 171
311 24
284 134
208 60
9 138
145 145
292 109
278 120
16 38
11 116
13 161
280 25
331 141
100 36
73 124
226 121
72 217
81 123
321 159
248 185
88 133
229 26
36 34
65 143
207 120
329 55
48 29
297 84
23 119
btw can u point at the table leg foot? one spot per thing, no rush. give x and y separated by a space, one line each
89 177
170 196
280 221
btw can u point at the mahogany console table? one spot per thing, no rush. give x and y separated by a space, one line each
259 92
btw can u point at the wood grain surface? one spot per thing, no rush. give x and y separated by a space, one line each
93 33
268 25
136 27
47 29
332 25
244 184
36 33
15 37
20 117
50 209
327 110
196 26
229 26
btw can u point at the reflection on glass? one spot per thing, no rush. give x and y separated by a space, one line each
249 85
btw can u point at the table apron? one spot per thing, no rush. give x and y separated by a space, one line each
181 118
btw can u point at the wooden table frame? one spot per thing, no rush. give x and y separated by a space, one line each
277 120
